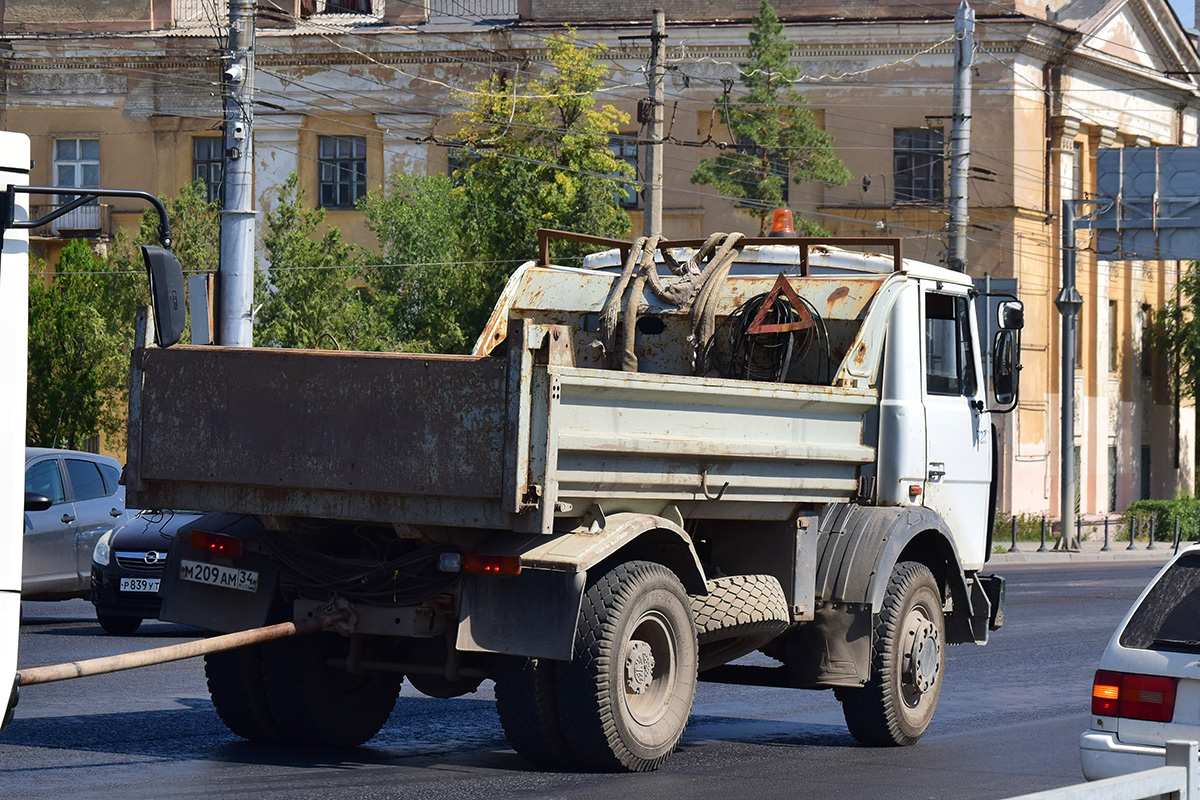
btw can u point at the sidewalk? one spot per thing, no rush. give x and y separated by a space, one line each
1088 551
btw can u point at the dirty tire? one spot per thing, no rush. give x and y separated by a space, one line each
118 625
740 614
908 656
316 703
624 699
235 683
528 708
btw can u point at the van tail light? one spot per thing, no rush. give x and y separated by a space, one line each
1146 697
218 544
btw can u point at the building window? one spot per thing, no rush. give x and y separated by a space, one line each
77 164
1076 188
918 164
1114 340
343 166
1147 345
1113 466
208 165
1145 472
624 147
310 7
949 358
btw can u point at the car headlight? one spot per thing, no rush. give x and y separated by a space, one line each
103 552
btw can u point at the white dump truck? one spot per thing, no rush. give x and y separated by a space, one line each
652 465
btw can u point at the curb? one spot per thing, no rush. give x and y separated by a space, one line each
1158 555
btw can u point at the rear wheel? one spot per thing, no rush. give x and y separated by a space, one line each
896 705
624 699
235 683
528 709
316 703
118 625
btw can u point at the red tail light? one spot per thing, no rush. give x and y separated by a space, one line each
216 543
492 565
1147 697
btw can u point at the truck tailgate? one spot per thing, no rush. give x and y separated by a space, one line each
367 436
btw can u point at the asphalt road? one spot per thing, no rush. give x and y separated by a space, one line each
1008 723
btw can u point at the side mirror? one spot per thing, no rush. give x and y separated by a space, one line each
166 291
36 502
1006 370
1011 315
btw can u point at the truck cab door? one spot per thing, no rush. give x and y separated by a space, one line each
958 444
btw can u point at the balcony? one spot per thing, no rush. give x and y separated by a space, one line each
90 221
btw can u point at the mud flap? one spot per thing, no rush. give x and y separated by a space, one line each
533 614
832 650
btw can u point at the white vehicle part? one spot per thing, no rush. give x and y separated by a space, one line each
14 334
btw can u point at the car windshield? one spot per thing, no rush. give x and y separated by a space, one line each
1169 617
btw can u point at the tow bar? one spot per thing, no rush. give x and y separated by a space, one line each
337 615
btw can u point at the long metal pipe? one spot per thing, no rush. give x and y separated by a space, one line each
960 135
175 652
1068 301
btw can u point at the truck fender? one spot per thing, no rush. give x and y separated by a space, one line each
632 536
861 545
535 613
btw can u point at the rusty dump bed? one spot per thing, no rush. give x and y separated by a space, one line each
526 438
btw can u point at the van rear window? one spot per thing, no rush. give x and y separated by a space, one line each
1169 616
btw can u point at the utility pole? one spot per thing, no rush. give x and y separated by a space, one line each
960 135
236 285
652 216
1069 302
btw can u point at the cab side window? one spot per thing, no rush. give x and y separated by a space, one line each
43 478
86 481
949 355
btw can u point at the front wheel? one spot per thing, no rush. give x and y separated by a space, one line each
897 703
625 698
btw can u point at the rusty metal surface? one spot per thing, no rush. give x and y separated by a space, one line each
278 422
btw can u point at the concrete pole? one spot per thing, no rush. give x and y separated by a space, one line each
960 135
652 216
236 289
1068 301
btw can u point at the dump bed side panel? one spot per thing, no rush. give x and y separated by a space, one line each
332 431
760 448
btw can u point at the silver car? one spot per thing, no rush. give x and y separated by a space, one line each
86 501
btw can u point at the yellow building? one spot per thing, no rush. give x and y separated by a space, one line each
126 94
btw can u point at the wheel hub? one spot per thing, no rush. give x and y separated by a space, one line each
923 657
639 666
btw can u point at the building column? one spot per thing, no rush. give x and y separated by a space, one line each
276 155
400 152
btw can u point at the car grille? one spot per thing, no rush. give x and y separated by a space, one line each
136 561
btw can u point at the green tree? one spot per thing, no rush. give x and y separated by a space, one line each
536 156
775 133
424 286
75 367
307 297
1175 333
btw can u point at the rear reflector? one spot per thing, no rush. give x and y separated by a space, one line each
216 543
1146 697
491 565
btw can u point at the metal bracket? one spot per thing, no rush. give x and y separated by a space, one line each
82 197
